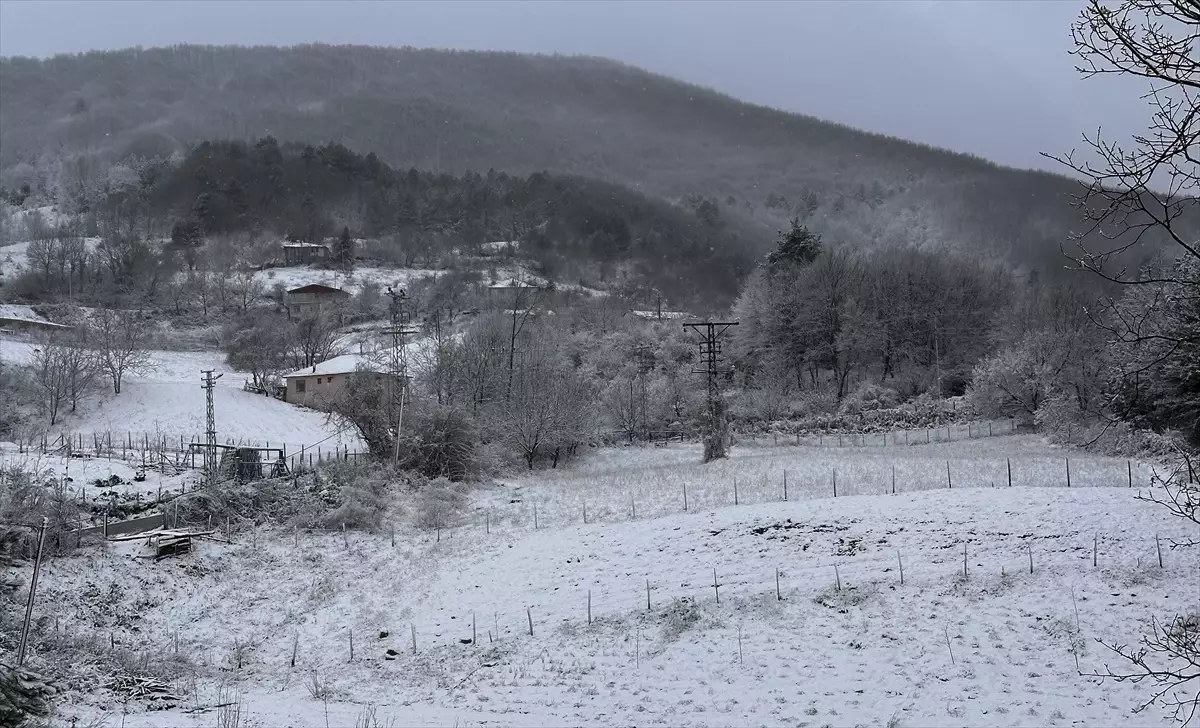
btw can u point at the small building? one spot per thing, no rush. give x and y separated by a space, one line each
522 296
317 385
310 300
15 318
297 253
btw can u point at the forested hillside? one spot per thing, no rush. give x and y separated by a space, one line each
573 228
458 111
570 229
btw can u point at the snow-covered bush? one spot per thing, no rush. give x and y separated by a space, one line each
439 504
443 443
869 397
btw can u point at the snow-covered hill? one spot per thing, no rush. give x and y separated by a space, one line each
167 400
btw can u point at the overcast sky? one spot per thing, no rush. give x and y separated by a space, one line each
991 78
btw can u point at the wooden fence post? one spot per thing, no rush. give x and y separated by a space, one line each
1008 462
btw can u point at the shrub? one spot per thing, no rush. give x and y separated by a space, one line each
443 443
25 498
682 615
361 502
869 397
439 504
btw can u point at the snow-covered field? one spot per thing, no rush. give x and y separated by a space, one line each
781 645
167 400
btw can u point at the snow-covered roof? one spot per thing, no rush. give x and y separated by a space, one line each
303 245
317 288
500 245
516 284
25 314
655 314
344 364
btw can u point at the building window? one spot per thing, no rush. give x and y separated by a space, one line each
300 386
318 380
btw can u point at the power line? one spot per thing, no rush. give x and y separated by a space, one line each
398 373
710 357
210 431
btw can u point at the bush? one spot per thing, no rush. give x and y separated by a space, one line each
682 615
443 443
25 498
869 397
341 493
439 504
362 499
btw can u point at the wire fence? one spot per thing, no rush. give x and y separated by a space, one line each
146 449
829 580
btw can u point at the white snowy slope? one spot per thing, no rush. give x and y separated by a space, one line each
997 647
167 400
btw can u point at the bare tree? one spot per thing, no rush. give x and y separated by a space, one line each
258 344
549 406
1135 195
1148 189
199 285
52 375
246 289
314 339
82 365
121 338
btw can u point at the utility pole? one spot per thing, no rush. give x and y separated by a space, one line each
210 429
710 358
37 565
397 368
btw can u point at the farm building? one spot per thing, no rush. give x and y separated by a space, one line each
522 296
301 253
310 300
18 318
315 386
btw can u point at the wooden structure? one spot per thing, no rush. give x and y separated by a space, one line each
244 463
299 253
312 299
167 542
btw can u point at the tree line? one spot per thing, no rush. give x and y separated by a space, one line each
238 193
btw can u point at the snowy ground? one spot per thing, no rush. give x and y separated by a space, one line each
167 400
997 647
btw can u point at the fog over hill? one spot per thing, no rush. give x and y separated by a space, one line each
458 111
